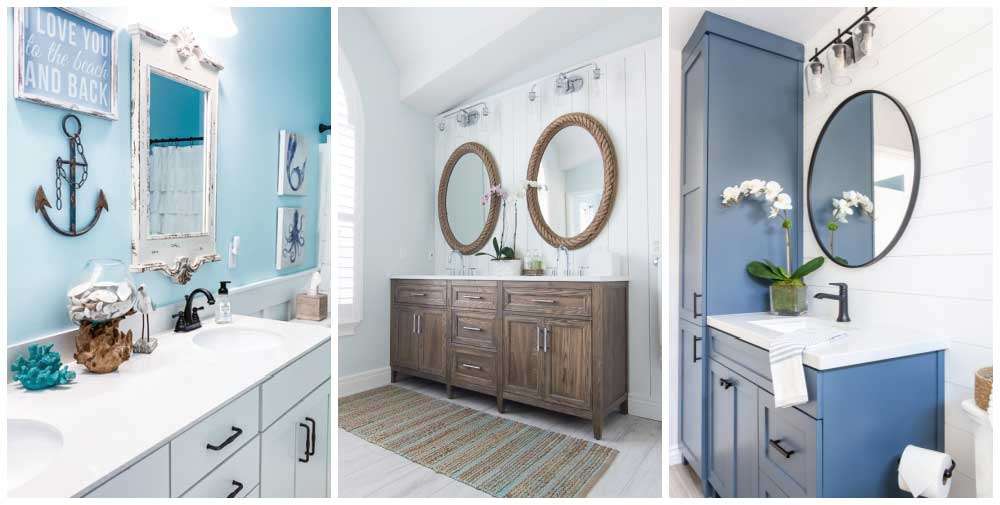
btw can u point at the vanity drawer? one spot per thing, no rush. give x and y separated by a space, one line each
236 478
788 447
148 478
474 328
228 429
292 383
433 293
474 368
474 295
544 300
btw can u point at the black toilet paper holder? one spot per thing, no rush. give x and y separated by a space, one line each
947 472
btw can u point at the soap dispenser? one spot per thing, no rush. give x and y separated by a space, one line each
224 309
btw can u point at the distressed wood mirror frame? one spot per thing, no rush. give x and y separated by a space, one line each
179 58
607 148
494 214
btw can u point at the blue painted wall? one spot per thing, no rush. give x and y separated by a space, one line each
175 110
277 76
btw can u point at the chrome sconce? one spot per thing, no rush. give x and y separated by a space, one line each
465 116
567 82
846 49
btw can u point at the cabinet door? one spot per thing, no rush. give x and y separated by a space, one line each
403 343
695 105
692 360
432 333
286 442
522 356
566 344
312 476
732 467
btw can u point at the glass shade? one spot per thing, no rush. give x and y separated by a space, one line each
815 79
839 57
865 49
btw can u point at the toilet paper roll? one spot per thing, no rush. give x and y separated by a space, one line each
921 472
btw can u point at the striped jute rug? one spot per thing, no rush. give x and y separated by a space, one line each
497 456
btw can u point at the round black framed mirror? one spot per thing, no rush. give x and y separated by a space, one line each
864 175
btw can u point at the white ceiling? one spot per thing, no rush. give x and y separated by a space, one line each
446 56
797 23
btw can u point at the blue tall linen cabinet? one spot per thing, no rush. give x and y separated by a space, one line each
742 119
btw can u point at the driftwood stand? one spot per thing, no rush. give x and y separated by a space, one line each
102 347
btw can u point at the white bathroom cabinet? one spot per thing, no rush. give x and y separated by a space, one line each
295 450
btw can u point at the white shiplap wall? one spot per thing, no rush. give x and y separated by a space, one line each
626 99
938 63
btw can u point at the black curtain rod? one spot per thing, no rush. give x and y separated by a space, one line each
323 127
177 139
841 34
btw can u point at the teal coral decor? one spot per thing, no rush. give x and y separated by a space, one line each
43 368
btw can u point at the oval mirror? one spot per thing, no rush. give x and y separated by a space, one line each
863 179
465 222
573 165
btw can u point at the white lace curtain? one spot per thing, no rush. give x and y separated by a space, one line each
176 189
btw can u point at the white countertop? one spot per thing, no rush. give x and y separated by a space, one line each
518 278
110 421
864 343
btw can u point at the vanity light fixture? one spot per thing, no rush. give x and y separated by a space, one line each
846 49
465 116
566 82
864 44
815 79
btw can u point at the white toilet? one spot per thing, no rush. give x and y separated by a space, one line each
983 437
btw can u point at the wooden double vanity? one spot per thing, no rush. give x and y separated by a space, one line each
560 345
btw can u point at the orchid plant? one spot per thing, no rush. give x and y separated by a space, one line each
500 251
843 207
779 204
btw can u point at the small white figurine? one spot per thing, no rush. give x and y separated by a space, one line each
144 304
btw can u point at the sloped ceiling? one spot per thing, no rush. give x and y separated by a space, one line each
446 56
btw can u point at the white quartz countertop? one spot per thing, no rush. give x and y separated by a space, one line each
518 278
109 421
864 342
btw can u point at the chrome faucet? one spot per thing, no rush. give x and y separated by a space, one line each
563 250
187 319
461 263
841 297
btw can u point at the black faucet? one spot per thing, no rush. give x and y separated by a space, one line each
841 297
188 319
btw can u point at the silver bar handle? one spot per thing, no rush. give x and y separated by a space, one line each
544 301
418 294
470 297
420 318
413 324
546 341
471 328
538 338
474 367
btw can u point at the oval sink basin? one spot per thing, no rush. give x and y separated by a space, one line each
31 447
788 325
236 339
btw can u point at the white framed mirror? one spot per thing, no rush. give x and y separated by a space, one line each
175 96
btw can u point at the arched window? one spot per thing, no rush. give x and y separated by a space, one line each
346 136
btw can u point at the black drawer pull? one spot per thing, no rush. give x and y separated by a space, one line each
312 436
694 304
777 446
308 437
726 383
694 353
236 432
239 487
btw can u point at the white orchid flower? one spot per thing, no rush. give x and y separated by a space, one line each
731 195
841 209
782 202
752 188
771 190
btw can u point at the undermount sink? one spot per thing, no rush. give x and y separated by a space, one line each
788 325
31 447
236 339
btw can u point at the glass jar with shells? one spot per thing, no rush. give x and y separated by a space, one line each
99 300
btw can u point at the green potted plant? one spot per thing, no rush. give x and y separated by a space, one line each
788 289
503 261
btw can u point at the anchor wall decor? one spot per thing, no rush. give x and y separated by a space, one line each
73 184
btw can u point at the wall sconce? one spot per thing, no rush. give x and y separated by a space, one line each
815 79
840 56
846 49
865 52
566 82
464 116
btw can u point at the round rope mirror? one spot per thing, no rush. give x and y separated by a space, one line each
469 172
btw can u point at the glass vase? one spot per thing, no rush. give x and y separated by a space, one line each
105 290
788 299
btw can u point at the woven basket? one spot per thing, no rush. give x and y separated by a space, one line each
984 384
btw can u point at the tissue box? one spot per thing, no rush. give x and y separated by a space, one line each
311 307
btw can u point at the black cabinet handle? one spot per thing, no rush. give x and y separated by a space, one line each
236 432
777 446
694 304
726 383
239 487
695 339
312 436
308 432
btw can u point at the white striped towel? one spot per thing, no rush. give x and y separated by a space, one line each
787 374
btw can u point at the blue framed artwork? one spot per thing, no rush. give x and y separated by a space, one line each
291 239
293 154
66 58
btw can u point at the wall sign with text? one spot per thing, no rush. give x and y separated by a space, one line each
66 58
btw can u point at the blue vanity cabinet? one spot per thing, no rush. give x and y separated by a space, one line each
741 119
733 433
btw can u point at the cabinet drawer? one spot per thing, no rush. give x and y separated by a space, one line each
479 329
474 295
228 429
474 368
768 489
148 478
420 292
292 383
236 478
550 301
788 447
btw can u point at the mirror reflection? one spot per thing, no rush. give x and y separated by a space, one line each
572 178
176 157
468 182
863 179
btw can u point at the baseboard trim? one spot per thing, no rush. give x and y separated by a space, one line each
674 456
369 379
642 407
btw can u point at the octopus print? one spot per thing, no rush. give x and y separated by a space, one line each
294 241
